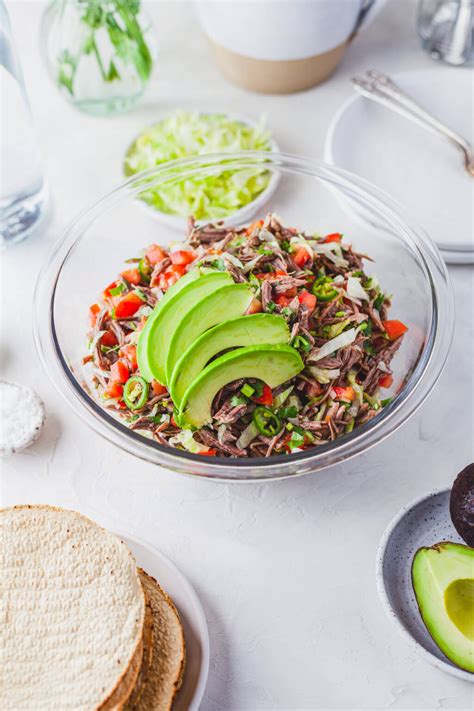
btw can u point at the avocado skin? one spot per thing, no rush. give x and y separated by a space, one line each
461 504
434 569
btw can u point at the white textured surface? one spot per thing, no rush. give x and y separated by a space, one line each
285 571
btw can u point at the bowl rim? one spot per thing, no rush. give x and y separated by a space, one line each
446 666
432 356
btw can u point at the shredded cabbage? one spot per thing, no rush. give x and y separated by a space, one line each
186 440
324 375
183 134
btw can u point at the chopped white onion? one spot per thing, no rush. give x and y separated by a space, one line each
356 290
344 339
332 250
233 260
338 280
384 368
250 265
247 436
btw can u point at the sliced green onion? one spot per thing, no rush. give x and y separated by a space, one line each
247 390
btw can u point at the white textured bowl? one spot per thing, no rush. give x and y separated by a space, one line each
239 217
422 523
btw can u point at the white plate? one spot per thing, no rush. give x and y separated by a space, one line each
192 617
418 169
422 523
240 217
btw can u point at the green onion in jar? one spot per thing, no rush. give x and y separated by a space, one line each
135 392
266 421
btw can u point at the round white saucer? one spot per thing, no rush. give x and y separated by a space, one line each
420 170
192 617
422 523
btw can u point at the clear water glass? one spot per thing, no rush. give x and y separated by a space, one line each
22 186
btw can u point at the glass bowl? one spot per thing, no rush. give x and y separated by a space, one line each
309 195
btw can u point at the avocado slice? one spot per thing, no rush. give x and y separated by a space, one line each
154 348
443 581
143 339
253 330
272 364
221 305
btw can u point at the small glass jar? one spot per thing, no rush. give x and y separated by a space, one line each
446 30
100 53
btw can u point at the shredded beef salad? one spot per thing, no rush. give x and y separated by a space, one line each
336 313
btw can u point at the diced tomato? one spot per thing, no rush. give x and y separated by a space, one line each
132 276
182 257
334 237
173 421
253 226
93 311
108 339
307 299
128 305
106 292
171 276
209 453
130 353
283 300
301 256
394 329
386 381
215 251
114 389
266 398
255 307
155 254
158 388
119 373
270 276
346 394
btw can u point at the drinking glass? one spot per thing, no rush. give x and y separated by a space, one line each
22 186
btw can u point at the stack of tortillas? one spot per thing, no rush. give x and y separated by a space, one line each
81 627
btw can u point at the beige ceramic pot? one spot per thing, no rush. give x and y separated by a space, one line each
281 46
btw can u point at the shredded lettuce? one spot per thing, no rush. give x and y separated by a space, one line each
183 134
186 440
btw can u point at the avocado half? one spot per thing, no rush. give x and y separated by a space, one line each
461 504
154 342
252 330
443 581
272 364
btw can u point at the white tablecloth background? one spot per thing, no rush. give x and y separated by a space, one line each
285 571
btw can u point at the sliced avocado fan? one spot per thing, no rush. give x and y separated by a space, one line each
221 305
443 581
253 330
153 347
161 306
273 364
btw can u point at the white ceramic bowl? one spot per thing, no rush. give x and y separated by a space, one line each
239 217
421 523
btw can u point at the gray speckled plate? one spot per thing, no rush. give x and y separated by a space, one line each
422 523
